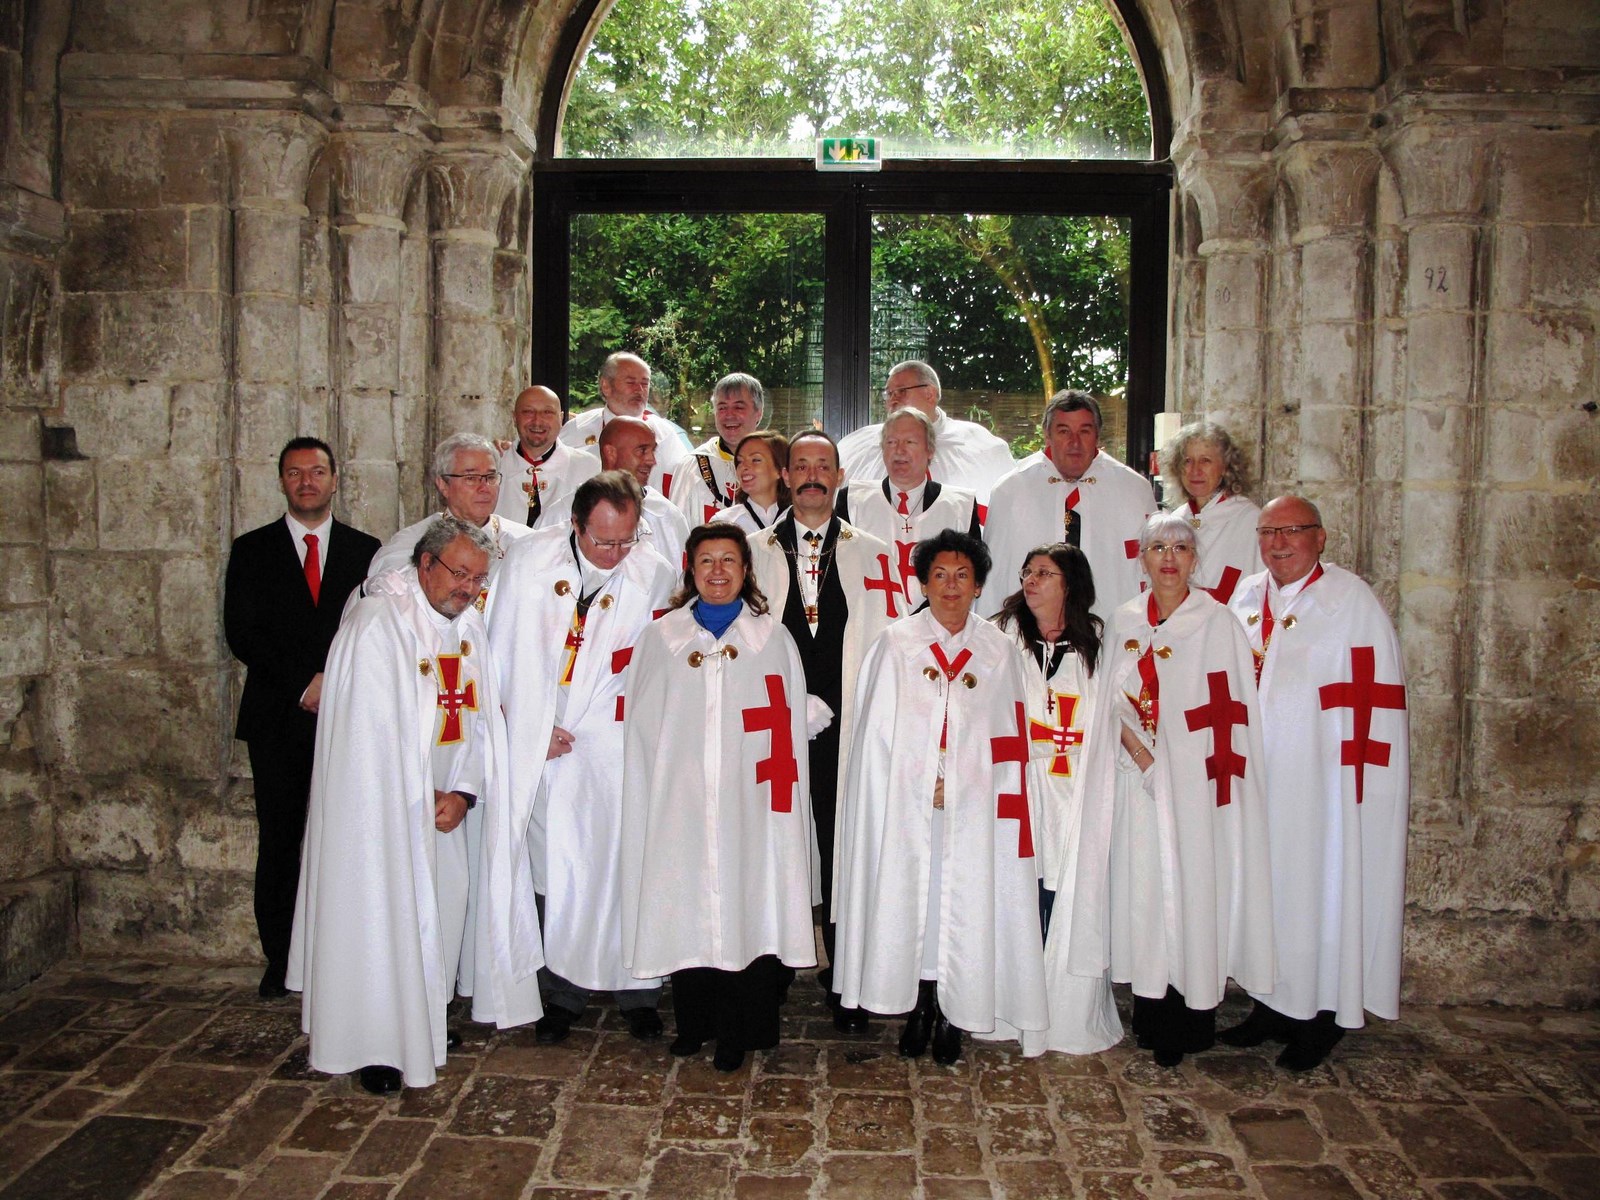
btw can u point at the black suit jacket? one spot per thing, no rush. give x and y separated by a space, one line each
275 630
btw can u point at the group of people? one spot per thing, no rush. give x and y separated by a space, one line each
628 709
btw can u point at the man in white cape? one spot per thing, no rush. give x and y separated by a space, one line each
409 736
537 469
834 589
1071 491
907 505
705 484
626 445
969 456
1333 703
625 392
562 627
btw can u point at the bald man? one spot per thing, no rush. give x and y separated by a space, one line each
539 471
629 444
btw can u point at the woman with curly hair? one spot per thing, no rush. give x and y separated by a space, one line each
1208 470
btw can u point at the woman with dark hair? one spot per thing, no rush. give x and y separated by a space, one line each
937 894
1208 470
717 836
1172 890
1050 620
758 463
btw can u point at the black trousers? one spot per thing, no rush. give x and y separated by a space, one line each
736 1009
1170 1024
281 764
823 752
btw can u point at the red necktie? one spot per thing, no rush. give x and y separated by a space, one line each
313 568
903 510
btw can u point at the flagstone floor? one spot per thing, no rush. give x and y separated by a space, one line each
123 1079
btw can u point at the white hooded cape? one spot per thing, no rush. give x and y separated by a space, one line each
716 829
582 431
1028 509
692 496
367 946
566 811
558 477
965 454
1174 886
872 513
1227 549
1338 861
990 955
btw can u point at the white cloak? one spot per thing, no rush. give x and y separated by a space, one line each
965 454
367 948
582 430
1338 857
1028 509
1226 544
661 526
1173 885
748 517
990 953
397 551
871 512
558 476
716 830
565 814
699 503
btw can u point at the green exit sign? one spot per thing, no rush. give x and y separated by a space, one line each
849 154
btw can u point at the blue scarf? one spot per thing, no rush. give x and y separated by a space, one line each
717 617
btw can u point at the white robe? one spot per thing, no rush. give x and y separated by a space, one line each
990 955
869 510
690 494
717 835
1173 885
965 454
1338 863
749 517
370 948
661 526
582 430
565 814
558 477
1028 509
1226 546
397 551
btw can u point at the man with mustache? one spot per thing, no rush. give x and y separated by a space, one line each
834 589
287 584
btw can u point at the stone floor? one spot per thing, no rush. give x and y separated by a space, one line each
123 1079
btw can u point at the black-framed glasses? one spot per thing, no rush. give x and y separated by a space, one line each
476 478
1027 573
462 575
1267 532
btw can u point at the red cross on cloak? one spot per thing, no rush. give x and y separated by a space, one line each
453 698
779 768
1014 805
1062 736
907 571
1223 592
1362 695
619 663
890 587
710 510
1220 713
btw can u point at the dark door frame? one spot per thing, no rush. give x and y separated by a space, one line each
1139 191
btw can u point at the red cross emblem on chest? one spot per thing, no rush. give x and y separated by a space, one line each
1363 695
1063 736
572 645
907 571
1223 592
1014 805
889 586
453 698
779 769
1220 713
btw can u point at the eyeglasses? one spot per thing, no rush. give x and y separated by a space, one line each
1169 548
613 546
1268 532
462 575
1026 574
477 479
893 394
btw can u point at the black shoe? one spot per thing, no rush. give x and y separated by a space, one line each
727 1059
683 1046
1168 1056
643 1023
825 979
1309 1045
850 1020
554 1026
946 1040
271 986
919 1025
380 1081
452 1041
1262 1025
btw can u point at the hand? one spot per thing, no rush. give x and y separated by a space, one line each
560 743
1137 750
449 808
311 700
503 444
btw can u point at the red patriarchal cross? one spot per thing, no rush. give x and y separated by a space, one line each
907 571
573 644
890 587
619 663
1130 548
1063 736
779 768
1014 805
1362 695
1220 713
1223 592
453 698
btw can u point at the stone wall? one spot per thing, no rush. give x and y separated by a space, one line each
225 224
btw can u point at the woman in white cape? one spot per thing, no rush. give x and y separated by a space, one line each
1210 472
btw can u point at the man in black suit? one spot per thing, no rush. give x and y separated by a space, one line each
286 587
